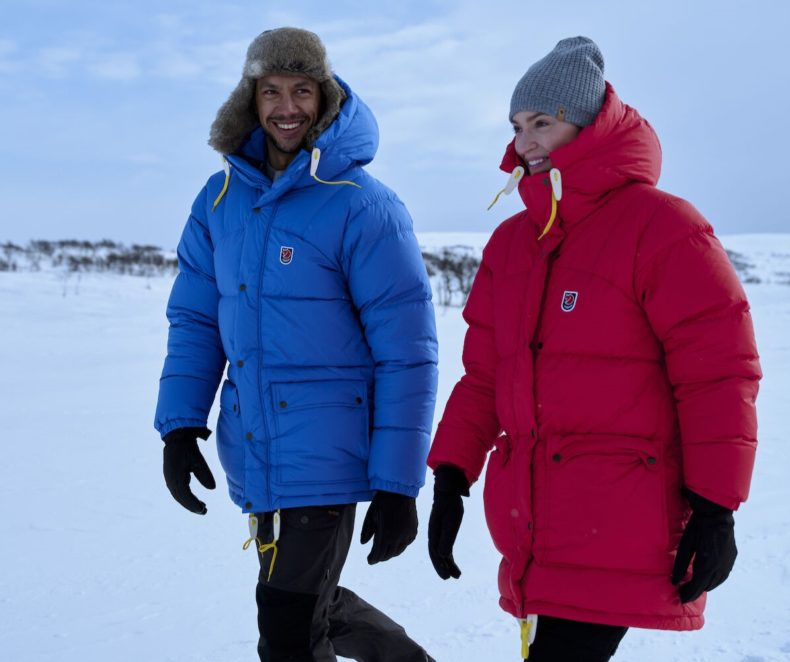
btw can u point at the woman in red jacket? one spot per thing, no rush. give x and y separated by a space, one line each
610 361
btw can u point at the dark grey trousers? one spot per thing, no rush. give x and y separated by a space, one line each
303 615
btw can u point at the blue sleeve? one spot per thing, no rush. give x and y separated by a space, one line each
390 289
195 359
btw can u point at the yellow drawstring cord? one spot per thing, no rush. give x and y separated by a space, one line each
515 176
263 548
528 627
551 217
226 168
315 157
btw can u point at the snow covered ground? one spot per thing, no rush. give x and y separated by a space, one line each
97 562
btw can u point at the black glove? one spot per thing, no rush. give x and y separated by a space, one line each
446 514
710 538
391 521
182 457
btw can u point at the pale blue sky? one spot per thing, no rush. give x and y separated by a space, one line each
105 106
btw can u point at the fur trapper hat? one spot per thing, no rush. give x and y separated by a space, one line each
280 51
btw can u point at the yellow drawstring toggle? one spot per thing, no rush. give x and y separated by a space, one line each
529 626
226 168
263 548
515 176
315 157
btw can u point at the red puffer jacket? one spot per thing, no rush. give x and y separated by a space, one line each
610 363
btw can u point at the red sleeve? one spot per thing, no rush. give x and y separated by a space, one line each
699 312
470 424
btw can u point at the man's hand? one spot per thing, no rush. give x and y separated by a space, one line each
710 539
391 521
446 515
182 457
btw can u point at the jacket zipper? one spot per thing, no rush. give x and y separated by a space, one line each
268 440
550 259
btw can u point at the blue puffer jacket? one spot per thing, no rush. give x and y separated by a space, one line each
318 298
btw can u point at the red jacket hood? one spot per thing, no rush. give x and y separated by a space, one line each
618 148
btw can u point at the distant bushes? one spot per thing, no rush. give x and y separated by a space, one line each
74 256
451 268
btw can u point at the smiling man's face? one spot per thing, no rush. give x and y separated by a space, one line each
288 107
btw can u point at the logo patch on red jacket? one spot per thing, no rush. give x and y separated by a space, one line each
569 300
286 254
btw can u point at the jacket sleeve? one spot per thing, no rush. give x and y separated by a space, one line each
699 312
195 359
389 286
470 423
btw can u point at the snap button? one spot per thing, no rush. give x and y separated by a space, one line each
358 400
248 436
242 287
283 404
651 460
248 505
556 457
240 363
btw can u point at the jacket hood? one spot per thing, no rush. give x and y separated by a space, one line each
618 148
350 140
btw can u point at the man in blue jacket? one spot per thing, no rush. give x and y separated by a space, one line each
301 273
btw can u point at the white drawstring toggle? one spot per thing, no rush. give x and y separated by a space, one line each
556 183
315 157
515 178
512 182
252 522
276 525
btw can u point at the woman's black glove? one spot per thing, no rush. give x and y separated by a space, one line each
710 539
182 457
446 515
391 521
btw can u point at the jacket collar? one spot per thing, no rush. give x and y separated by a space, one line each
618 148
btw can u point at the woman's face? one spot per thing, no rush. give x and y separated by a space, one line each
537 135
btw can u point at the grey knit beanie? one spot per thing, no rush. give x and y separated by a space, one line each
567 84
280 51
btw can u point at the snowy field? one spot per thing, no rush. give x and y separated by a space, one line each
98 563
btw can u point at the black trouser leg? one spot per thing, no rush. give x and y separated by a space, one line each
561 640
292 604
361 632
284 622
303 615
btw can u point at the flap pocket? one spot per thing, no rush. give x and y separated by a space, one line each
292 396
229 398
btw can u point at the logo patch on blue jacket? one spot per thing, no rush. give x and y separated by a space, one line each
569 300
286 254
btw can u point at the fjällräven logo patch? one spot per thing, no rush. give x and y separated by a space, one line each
569 300
286 254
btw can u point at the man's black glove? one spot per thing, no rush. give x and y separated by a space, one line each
446 514
391 521
709 538
181 458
